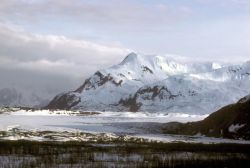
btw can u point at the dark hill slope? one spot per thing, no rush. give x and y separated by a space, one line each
232 121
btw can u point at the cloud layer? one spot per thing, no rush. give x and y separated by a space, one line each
115 12
54 54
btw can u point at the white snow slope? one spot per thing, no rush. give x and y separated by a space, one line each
158 84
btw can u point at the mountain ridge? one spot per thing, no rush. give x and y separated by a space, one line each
155 83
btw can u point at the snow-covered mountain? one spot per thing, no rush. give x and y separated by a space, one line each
156 83
19 97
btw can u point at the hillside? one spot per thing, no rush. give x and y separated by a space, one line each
232 121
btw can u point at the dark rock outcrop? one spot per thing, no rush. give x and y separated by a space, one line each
147 93
64 101
102 79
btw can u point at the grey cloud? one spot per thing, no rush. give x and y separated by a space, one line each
58 53
118 13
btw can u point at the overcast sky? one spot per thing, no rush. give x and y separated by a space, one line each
50 41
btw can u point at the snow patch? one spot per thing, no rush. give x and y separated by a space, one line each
216 66
45 112
13 127
235 127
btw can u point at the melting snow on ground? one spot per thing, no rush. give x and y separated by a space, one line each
75 125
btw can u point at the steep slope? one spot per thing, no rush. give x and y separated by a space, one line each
157 83
232 121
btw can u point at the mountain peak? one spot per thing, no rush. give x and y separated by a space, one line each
130 58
